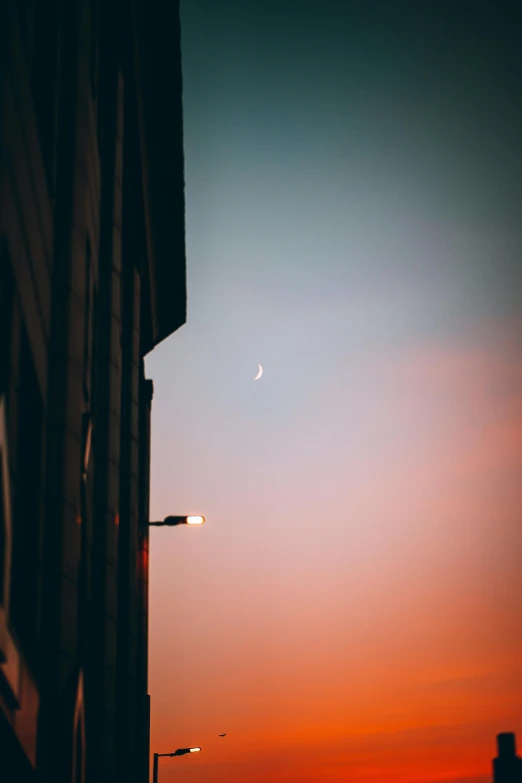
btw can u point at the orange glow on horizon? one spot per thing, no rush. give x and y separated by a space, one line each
374 636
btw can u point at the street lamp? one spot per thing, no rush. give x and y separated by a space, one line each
176 520
178 752
143 536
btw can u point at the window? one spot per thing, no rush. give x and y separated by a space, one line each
5 515
78 767
24 609
97 69
87 325
90 327
94 341
25 18
94 54
44 73
3 540
6 315
86 442
78 770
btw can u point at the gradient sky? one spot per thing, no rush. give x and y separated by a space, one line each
352 608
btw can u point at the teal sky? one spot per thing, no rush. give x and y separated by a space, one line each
352 182
353 190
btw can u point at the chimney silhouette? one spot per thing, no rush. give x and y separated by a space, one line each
507 766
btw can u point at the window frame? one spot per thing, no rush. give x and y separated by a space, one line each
78 776
7 531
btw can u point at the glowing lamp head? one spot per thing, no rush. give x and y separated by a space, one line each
195 520
184 751
177 520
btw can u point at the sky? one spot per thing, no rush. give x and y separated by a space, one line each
352 607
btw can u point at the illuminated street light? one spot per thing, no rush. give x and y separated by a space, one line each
170 521
176 520
178 752
195 520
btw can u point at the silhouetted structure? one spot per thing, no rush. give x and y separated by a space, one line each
507 766
92 277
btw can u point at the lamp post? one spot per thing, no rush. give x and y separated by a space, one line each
143 547
176 520
178 752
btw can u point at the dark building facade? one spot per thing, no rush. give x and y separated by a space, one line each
507 766
92 277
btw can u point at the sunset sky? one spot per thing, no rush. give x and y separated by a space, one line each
352 609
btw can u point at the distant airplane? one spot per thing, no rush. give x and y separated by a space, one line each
222 735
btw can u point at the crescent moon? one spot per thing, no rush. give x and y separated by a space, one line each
259 372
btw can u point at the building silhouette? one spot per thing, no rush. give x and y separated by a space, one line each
507 766
92 277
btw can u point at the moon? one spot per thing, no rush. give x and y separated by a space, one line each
259 372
